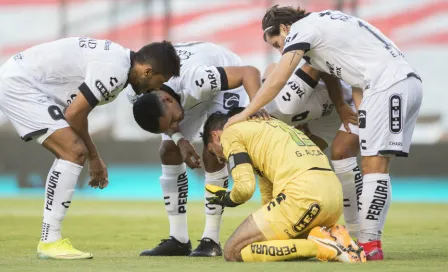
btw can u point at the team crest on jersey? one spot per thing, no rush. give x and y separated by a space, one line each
396 123
231 100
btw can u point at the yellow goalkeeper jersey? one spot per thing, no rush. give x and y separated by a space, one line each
279 153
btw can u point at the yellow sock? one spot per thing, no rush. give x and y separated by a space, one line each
279 250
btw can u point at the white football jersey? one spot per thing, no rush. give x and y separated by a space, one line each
350 49
202 75
303 99
62 68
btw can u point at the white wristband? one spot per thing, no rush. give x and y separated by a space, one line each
176 137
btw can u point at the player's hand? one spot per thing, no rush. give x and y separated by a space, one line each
347 115
262 114
237 118
189 155
98 173
221 196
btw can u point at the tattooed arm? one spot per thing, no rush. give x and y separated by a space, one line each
272 86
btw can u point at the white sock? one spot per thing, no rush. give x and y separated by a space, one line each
174 183
374 202
59 189
213 213
350 176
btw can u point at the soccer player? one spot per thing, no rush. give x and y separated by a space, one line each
211 79
48 91
353 50
301 195
304 102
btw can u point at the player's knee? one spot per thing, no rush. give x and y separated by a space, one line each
344 146
375 164
169 153
76 152
230 254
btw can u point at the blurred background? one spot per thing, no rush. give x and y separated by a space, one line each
418 27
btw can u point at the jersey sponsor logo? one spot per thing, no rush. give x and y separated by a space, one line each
18 57
52 184
211 76
327 109
334 70
308 217
286 97
113 81
336 16
231 100
104 92
396 122
295 87
290 39
261 249
379 200
107 45
279 198
85 42
362 118
184 54
182 189
199 84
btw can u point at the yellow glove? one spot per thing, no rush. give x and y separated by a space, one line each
222 196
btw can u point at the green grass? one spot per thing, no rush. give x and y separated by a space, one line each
415 239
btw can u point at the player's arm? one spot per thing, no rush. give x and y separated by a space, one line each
337 97
266 188
76 116
241 169
246 76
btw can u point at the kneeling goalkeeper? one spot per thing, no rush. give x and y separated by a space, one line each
301 195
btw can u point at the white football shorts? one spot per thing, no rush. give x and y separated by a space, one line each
387 119
33 113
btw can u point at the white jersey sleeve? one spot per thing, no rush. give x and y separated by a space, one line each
103 82
302 36
199 83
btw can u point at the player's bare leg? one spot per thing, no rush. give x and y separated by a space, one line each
248 244
174 183
216 173
71 155
344 152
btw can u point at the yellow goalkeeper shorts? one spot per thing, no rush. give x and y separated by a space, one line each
312 199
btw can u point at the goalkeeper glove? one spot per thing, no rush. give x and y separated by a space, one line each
222 197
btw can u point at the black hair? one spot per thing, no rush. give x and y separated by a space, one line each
162 56
147 110
275 16
216 121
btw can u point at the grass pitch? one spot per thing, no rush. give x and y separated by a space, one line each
415 239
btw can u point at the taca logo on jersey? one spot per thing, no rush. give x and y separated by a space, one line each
231 100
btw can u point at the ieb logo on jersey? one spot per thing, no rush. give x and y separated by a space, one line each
231 100
395 114
289 39
362 118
